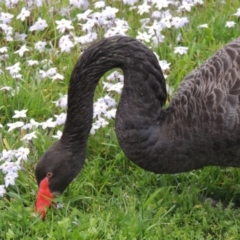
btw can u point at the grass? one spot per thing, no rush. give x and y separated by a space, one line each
112 198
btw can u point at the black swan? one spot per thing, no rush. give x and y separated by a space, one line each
199 128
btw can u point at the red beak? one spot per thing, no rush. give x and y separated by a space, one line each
44 198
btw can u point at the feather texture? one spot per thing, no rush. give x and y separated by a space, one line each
199 128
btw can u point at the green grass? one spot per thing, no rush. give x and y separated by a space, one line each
112 198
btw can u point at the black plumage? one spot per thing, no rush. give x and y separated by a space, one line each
199 128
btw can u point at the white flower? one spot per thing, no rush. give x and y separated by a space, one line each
99 108
99 4
22 50
79 3
27 126
199 2
101 122
237 13
8 31
65 44
30 125
88 26
156 28
40 46
144 36
3 49
10 178
62 102
22 153
186 6
93 129
17 76
29 136
2 190
99 18
115 76
51 71
38 3
64 25
121 24
117 87
20 114
108 100
156 14
60 205
84 16
42 74
57 76
32 62
230 24
181 50
58 135
9 167
111 113
48 124
41 24
7 155
23 14
11 3
34 123
145 21
115 31
6 166
162 4
6 88
14 125
205 25
109 12
158 39
65 11
129 2
144 8
179 22
3 57
14 69
86 38
164 65
61 119
20 36
5 17
166 22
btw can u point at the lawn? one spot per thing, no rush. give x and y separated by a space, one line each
40 41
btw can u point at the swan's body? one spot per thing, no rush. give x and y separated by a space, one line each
200 127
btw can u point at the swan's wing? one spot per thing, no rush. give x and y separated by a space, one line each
210 96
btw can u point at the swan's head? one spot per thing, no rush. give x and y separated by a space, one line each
54 172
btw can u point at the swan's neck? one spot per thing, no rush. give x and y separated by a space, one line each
143 94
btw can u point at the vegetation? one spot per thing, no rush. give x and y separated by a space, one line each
111 198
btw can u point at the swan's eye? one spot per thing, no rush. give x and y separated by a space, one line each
49 174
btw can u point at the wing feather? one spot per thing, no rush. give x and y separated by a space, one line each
210 94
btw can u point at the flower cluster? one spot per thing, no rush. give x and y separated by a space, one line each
11 164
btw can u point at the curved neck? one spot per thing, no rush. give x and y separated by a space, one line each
143 95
